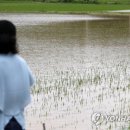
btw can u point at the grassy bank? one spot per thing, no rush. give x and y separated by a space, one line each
34 7
79 1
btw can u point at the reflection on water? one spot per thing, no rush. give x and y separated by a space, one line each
35 19
67 44
82 67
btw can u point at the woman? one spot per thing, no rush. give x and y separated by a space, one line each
15 80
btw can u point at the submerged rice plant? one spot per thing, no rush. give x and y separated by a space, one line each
59 95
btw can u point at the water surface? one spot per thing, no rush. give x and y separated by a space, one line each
82 66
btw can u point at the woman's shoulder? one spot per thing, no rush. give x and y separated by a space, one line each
21 60
18 57
12 59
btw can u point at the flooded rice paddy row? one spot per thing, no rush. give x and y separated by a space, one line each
82 66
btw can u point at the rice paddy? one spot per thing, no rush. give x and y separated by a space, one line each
81 66
72 93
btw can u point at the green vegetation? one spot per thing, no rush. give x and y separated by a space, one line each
58 7
79 1
76 89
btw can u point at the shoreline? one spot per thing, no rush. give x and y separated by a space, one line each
109 13
105 13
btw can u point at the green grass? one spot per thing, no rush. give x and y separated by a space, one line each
58 7
114 1
98 1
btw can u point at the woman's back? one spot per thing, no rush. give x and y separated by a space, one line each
15 80
15 84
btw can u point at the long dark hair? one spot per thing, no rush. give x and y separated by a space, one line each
8 43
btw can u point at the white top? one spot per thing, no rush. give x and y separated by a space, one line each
15 82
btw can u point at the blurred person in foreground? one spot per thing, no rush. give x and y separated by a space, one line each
15 80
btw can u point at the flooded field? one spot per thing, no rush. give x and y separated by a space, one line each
82 69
